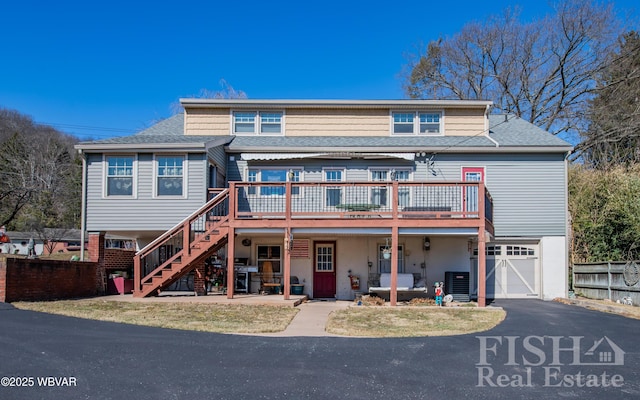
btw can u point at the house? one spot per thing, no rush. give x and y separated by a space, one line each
332 190
45 242
19 243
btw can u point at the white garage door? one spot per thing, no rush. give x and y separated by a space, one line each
513 271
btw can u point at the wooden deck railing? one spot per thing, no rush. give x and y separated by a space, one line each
300 200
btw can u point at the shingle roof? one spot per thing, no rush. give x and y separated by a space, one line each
171 126
337 142
514 131
166 132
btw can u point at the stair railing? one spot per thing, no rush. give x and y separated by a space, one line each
179 241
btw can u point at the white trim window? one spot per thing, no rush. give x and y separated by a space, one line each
380 195
271 254
274 175
403 123
120 175
170 175
404 192
333 196
384 265
416 123
257 122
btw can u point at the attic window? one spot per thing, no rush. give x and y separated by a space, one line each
257 123
416 123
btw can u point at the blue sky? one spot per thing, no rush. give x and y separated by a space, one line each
101 69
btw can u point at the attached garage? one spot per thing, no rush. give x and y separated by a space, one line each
513 271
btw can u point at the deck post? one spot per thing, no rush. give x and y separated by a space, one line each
287 263
137 275
482 270
393 292
288 238
231 244
482 255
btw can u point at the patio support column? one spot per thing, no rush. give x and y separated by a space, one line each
393 293
231 244
482 269
287 263
482 255
288 237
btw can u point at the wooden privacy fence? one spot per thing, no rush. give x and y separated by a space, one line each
608 280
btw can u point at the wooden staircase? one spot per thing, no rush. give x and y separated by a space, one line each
180 249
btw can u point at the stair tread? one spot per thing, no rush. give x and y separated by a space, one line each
212 239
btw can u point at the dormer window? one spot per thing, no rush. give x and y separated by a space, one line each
429 123
416 123
257 123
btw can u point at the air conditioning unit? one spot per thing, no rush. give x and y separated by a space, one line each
457 285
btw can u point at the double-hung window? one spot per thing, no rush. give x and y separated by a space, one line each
170 175
270 123
333 194
244 122
119 175
257 122
384 264
403 123
416 123
380 194
429 123
404 192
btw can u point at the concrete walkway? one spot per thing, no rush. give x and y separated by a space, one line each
311 320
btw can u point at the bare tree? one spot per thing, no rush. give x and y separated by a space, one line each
38 174
543 71
226 92
613 137
17 186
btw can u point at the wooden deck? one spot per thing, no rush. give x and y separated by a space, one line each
290 205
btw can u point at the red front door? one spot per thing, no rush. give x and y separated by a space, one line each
324 267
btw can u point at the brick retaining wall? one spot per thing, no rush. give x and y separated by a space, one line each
36 280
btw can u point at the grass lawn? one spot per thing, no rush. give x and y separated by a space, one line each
412 321
207 317
381 321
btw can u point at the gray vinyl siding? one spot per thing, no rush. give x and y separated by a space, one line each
219 158
528 190
143 212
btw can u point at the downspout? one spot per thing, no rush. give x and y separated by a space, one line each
493 140
83 214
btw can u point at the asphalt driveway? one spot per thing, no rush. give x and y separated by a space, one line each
541 350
